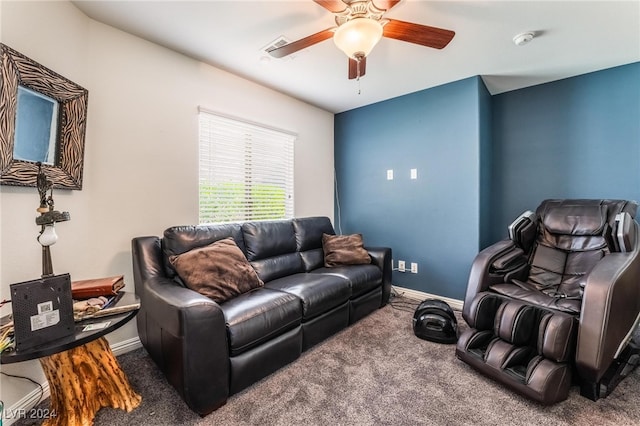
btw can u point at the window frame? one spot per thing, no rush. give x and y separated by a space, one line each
250 190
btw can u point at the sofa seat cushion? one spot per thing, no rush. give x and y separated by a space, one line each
258 316
319 292
362 278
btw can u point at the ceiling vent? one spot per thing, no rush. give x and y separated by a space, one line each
279 42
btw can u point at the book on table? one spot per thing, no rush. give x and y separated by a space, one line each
95 287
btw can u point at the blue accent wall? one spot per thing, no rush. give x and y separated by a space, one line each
433 220
572 138
481 161
486 165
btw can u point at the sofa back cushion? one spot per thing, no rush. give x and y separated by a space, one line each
271 248
181 239
309 232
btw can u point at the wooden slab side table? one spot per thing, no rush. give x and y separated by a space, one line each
82 372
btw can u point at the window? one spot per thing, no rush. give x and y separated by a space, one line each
246 171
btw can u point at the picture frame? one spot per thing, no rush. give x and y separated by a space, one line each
67 123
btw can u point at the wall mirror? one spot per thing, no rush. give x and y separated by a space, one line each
42 120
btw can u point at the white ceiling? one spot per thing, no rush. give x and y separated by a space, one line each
572 37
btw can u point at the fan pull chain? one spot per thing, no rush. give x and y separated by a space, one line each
358 74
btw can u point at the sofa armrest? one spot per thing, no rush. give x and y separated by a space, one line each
611 304
381 257
179 309
184 332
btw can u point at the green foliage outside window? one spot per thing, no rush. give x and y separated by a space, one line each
233 201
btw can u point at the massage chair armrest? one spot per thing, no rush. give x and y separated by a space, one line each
611 305
381 257
496 264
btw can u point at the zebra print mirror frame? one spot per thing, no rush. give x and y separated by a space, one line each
66 171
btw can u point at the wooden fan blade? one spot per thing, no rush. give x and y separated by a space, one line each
288 49
334 6
385 4
353 68
418 34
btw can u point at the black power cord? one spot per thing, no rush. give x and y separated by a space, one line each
32 381
401 302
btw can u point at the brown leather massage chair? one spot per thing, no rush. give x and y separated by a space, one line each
558 302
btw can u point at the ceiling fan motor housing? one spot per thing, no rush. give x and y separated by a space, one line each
359 9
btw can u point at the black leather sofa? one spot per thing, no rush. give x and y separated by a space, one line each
209 351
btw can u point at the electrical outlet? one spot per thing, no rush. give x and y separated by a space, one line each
414 173
401 265
390 174
414 268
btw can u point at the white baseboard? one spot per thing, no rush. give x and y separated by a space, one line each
21 408
13 413
126 346
419 295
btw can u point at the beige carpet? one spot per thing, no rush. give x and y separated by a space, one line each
373 373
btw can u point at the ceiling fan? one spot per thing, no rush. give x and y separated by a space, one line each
360 25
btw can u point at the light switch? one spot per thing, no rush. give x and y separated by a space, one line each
414 173
390 174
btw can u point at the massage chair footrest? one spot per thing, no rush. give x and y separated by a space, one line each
535 377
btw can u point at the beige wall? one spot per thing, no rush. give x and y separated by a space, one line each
141 158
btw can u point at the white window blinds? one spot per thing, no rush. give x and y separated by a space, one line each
246 171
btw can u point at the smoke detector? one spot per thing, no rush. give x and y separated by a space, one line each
523 38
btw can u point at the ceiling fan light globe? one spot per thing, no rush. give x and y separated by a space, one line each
357 37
